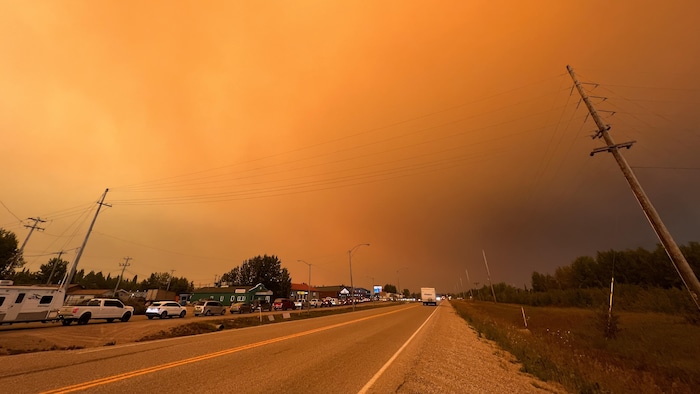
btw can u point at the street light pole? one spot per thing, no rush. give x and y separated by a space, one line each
352 286
309 294
398 283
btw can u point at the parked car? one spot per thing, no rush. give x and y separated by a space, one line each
315 303
208 308
248 307
301 304
283 304
236 307
165 309
256 305
326 302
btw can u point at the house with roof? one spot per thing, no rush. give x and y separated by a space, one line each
303 292
75 294
231 294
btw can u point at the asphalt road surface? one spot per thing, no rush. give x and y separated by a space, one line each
406 349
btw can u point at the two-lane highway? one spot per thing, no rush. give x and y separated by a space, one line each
338 353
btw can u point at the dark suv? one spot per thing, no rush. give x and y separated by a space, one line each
283 304
257 305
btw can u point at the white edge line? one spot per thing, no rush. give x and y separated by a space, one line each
381 371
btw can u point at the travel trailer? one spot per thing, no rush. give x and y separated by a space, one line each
24 304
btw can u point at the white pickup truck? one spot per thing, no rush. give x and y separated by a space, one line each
109 309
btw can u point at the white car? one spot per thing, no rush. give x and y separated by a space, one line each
301 304
165 309
315 303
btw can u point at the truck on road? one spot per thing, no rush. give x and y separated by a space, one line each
427 296
97 308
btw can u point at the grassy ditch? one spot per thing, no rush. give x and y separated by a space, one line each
203 327
650 353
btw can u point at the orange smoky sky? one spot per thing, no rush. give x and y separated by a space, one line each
431 130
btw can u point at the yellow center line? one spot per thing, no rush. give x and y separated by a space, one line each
127 375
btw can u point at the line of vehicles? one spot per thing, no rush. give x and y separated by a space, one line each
24 304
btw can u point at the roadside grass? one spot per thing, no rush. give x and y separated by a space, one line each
206 326
651 353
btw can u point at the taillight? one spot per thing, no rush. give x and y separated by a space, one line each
75 309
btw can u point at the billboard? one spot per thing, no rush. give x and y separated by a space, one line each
377 289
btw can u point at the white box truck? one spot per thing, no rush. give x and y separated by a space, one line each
427 296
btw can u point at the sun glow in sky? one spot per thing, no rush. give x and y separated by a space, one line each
431 130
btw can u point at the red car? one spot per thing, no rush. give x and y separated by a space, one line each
283 304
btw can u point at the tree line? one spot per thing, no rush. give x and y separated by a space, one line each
644 280
639 267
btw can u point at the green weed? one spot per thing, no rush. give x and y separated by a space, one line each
652 353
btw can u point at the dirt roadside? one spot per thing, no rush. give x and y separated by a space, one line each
33 337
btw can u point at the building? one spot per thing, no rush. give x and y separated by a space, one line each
342 292
300 292
75 294
232 294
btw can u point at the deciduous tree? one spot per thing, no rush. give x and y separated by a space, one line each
262 269
10 258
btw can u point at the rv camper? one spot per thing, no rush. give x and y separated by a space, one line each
24 304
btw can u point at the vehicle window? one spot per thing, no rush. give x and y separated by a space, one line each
93 303
2 300
20 298
46 300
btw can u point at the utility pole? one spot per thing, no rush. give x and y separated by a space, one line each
170 278
674 253
31 228
53 268
488 275
73 268
123 265
471 296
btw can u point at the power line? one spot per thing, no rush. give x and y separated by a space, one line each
11 213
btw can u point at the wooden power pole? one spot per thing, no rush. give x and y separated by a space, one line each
674 253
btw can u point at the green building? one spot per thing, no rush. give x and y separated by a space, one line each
232 294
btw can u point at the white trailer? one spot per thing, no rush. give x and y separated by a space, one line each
24 304
427 296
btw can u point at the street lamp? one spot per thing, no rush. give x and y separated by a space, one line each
352 287
309 294
398 282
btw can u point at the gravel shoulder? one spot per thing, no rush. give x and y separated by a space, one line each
453 359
